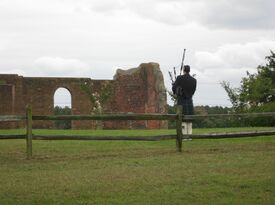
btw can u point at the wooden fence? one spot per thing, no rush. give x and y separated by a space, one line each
178 117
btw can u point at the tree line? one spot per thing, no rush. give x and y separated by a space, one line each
62 124
206 122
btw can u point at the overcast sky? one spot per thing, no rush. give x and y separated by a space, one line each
92 38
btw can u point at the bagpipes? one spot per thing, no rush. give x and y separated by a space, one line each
173 79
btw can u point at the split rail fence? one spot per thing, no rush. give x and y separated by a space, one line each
178 117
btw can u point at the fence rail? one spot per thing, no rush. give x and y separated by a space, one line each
102 138
178 117
242 115
108 117
12 118
127 116
10 137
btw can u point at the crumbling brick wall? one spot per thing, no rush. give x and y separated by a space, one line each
137 90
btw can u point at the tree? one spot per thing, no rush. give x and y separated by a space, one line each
256 89
205 122
62 124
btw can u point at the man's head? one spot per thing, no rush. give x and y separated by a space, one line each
186 69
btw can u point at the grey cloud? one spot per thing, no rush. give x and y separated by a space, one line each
235 55
232 14
57 66
236 14
106 6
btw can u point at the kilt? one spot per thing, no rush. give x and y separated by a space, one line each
187 105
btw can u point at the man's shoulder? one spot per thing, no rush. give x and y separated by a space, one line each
191 77
185 77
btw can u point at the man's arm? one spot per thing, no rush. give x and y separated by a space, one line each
195 86
175 85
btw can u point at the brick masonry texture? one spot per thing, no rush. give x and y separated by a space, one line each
137 90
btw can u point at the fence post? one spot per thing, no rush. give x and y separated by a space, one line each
179 128
29 131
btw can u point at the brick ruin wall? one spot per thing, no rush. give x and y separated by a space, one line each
137 90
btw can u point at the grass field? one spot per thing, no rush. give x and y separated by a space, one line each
220 171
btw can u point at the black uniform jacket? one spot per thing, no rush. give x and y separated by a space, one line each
187 83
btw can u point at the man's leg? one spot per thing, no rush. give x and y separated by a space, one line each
184 128
189 128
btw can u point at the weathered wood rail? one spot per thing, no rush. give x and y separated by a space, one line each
12 118
127 116
29 136
178 117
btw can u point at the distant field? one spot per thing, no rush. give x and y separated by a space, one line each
220 171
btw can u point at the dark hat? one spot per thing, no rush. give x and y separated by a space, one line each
186 68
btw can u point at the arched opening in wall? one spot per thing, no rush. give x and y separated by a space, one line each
62 106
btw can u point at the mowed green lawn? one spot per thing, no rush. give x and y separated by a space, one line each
218 171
